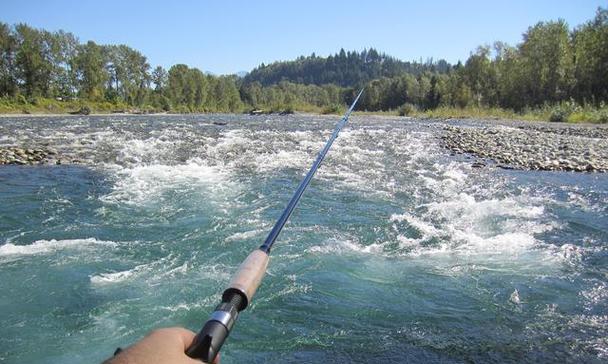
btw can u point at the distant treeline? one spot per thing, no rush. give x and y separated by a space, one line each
553 65
41 64
345 69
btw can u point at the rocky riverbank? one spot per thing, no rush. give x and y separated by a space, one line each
543 146
26 156
506 144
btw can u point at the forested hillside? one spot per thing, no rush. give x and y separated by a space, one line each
554 68
346 69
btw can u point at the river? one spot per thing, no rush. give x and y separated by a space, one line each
399 251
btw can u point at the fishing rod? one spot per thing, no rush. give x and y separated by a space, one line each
207 343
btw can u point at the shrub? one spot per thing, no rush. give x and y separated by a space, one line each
289 109
332 109
84 110
34 100
21 100
165 104
601 115
181 109
560 112
558 115
407 109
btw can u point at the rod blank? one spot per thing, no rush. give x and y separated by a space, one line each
245 282
276 230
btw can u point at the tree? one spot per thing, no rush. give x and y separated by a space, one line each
159 79
89 71
591 59
128 73
8 45
432 96
32 68
226 95
251 94
176 84
197 89
546 62
63 50
481 77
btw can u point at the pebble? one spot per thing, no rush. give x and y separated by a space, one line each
559 147
509 144
21 156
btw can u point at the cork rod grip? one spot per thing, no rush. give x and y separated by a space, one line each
249 276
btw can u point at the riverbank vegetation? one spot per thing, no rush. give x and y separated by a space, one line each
555 73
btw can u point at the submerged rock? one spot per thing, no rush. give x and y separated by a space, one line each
514 298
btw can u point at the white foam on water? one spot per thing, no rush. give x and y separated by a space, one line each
515 298
457 221
408 243
344 245
445 180
465 218
366 160
161 270
204 303
244 235
141 184
50 246
267 162
105 278
357 163
350 164
425 228
507 243
137 151
484 227
154 269
232 148
466 226
6 140
465 204
142 175
455 175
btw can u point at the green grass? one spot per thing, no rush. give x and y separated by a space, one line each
566 111
475 112
39 105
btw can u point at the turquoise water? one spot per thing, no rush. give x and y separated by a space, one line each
398 252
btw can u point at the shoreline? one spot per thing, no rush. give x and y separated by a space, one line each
490 120
53 115
376 114
503 143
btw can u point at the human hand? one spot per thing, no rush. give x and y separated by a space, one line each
162 346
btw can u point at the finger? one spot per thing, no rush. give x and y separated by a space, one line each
185 336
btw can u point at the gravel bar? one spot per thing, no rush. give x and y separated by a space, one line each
531 146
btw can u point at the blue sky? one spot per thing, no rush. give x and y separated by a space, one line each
231 36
